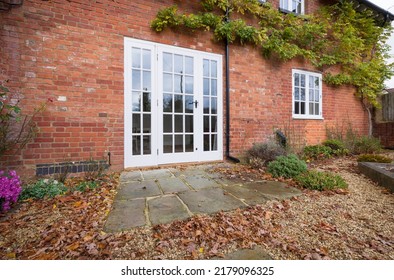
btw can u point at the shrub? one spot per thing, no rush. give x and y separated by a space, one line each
86 185
366 145
317 152
337 146
43 188
263 153
373 158
321 181
10 188
287 166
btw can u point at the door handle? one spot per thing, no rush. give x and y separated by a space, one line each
195 103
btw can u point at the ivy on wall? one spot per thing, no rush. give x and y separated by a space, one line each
347 45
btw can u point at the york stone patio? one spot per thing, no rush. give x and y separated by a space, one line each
151 197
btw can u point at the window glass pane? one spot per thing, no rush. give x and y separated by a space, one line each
206 86
178 64
311 82
167 102
167 82
146 145
303 94
167 123
214 87
189 104
178 143
136 123
296 93
317 109
136 145
146 102
136 57
167 62
206 105
206 67
311 107
317 96
214 142
178 123
214 124
188 123
206 142
146 123
146 59
311 95
189 65
302 108
296 108
297 79
136 81
178 102
146 81
317 82
167 144
206 123
214 105
178 83
302 76
189 143
214 69
136 101
189 84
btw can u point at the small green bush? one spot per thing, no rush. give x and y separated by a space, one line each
317 152
337 146
366 145
316 180
86 185
287 166
263 153
43 188
373 158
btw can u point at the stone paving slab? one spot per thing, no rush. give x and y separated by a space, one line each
165 209
257 253
211 200
274 189
131 176
155 174
125 215
132 190
199 182
249 196
172 185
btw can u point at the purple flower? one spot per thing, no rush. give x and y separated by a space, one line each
10 188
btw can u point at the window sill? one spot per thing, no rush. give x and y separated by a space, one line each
297 117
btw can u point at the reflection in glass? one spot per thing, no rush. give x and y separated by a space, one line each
167 82
214 124
189 145
214 69
206 142
189 65
178 123
206 105
146 59
178 64
146 81
146 145
147 123
213 105
214 87
206 68
136 80
214 142
167 144
178 80
136 58
178 103
206 86
136 145
206 123
167 123
136 101
136 123
189 104
146 102
167 62
189 85
167 102
188 123
178 143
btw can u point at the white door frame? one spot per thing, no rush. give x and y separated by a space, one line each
157 156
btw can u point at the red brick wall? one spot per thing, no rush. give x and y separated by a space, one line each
72 51
385 132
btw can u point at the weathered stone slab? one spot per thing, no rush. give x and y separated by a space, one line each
256 253
382 173
198 182
273 189
166 209
132 190
250 196
172 185
126 214
131 176
155 174
209 200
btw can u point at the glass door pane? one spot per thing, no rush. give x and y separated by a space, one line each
210 112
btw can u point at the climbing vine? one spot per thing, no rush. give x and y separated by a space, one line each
348 46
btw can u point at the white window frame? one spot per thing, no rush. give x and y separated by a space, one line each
289 4
307 114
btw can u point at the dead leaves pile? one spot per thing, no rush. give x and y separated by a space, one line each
65 227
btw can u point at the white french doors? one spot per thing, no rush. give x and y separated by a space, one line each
173 104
